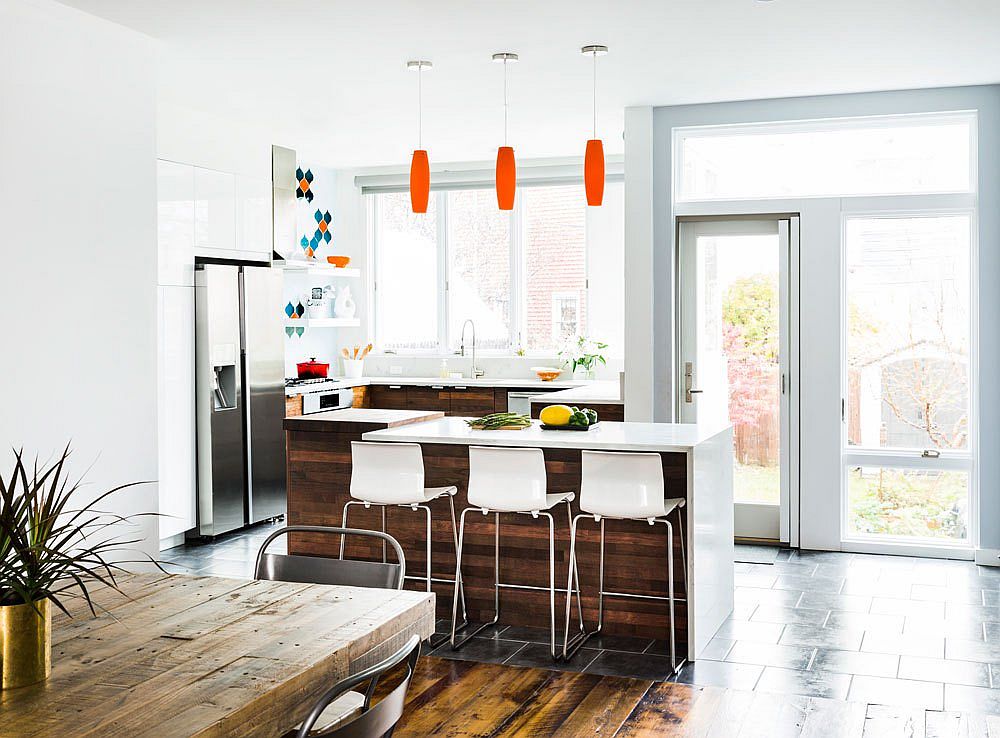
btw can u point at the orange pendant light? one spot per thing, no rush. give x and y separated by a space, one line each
506 177
420 168
593 161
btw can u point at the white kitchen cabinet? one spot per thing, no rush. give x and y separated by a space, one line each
214 213
175 223
175 409
253 218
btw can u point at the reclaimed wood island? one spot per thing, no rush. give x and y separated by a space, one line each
697 465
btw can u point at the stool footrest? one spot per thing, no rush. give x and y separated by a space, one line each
459 642
576 643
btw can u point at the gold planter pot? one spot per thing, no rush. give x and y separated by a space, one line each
25 643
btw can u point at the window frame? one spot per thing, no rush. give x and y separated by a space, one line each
564 295
894 120
953 460
516 251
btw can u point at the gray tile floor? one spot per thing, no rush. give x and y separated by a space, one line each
914 632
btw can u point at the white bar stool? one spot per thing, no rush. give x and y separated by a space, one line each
623 486
392 474
510 480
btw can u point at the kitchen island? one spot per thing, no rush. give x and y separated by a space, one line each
697 465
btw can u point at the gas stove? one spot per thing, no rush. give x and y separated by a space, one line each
320 394
294 382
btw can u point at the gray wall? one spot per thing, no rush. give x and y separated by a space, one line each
650 382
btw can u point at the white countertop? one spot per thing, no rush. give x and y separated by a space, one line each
518 382
600 392
606 435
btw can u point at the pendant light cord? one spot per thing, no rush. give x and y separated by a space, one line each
595 94
505 102
420 106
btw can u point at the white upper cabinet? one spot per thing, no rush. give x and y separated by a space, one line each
175 219
253 218
214 213
205 212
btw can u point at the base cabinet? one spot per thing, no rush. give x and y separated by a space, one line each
458 401
388 396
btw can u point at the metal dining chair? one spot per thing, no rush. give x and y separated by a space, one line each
326 570
340 702
372 721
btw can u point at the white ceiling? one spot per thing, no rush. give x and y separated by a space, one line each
328 77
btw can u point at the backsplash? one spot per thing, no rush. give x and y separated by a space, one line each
516 367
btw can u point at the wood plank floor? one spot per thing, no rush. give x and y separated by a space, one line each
464 699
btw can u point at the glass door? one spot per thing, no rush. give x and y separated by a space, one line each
734 357
906 407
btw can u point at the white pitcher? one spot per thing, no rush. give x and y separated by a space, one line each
345 306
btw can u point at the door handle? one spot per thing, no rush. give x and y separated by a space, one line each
689 389
931 454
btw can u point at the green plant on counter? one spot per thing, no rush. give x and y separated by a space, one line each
49 550
582 352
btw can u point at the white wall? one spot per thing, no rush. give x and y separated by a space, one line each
231 145
820 369
333 191
78 285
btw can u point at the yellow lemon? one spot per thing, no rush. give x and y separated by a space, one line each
556 415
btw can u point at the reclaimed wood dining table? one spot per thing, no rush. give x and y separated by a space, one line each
207 656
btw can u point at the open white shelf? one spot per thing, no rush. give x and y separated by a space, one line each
322 322
316 267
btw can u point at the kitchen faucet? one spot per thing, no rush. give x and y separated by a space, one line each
476 371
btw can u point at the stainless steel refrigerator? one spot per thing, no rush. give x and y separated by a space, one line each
240 404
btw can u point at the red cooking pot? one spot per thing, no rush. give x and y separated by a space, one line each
312 369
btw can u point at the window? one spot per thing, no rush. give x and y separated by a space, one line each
478 268
565 316
521 277
907 383
889 155
555 264
908 332
407 317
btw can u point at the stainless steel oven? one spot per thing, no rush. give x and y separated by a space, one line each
319 402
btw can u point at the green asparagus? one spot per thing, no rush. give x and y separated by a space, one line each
493 421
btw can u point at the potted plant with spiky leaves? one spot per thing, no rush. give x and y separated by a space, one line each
51 550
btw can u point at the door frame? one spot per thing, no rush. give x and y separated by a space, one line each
789 359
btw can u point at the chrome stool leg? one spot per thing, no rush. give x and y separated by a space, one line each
670 591
456 643
343 523
428 575
571 646
552 581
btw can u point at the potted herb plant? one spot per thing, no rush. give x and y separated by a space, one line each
50 551
583 353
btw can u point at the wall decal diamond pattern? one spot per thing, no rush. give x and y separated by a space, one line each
304 184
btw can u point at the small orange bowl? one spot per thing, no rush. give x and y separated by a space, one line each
339 261
546 373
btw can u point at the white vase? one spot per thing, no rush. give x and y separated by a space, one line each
581 373
345 307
